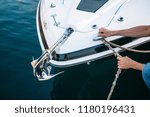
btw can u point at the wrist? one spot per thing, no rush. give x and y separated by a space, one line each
113 33
137 66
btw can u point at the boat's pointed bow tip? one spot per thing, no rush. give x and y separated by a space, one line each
33 63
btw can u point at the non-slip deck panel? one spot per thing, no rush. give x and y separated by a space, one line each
91 5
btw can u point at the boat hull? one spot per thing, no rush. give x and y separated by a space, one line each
47 37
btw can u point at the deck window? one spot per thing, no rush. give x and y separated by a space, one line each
91 5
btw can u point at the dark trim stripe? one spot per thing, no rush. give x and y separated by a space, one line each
41 30
89 51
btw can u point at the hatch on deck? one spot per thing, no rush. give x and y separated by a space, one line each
91 5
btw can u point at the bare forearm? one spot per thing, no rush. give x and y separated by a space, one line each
137 66
138 31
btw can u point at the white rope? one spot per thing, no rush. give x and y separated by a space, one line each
109 44
128 49
116 54
114 84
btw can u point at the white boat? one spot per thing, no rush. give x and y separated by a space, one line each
67 30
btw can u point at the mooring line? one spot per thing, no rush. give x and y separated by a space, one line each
116 54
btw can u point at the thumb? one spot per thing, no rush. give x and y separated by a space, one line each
119 57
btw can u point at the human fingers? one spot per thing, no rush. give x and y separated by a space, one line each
102 30
119 57
102 35
122 66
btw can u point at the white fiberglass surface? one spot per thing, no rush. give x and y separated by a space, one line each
134 12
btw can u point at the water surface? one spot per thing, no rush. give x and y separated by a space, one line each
19 42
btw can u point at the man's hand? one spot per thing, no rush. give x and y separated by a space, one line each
103 32
127 63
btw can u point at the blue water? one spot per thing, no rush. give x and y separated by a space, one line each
19 42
